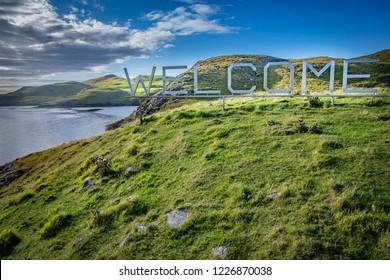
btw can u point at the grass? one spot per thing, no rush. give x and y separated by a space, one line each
54 225
8 240
269 179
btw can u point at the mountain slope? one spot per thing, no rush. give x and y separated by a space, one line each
383 56
266 178
45 94
103 91
107 90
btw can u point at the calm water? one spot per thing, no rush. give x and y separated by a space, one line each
24 130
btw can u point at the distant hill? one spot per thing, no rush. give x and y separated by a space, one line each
383 56
42 94
104 91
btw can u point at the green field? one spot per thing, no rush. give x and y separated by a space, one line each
266 178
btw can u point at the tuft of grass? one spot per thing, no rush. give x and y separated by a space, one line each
8 240
123 212
315 102
21 198
54 225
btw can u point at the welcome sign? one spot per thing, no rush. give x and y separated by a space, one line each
235 91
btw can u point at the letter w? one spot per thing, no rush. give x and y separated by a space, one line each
140 80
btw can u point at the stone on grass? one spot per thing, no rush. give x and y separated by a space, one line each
141 229
87 184
130 171
219 252
274 195
176 218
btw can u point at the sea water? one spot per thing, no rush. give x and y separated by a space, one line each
25 130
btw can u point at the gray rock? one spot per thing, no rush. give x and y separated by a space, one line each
176 218
87 185
141 228
130 171
116 201
274 195
10 174
219 252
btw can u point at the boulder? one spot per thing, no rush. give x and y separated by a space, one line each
219 252
87 184
176 218
274 195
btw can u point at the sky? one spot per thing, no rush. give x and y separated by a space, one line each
48 41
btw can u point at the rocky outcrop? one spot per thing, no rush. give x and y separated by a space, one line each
147 107
9 174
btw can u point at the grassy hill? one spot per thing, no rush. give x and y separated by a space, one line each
265 179
46 94
103 91
212 74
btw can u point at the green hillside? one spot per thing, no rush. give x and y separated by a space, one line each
383 56
42 95
264 179
104 91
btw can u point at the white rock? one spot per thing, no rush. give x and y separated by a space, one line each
219 252
176 218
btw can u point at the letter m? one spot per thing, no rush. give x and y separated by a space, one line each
308 65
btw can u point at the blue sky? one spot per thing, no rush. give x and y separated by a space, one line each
45 41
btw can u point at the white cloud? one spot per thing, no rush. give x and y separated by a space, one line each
183 21
36 41
189 1
205 9
154 15
166 46
91 3
98 68
6 68
72 17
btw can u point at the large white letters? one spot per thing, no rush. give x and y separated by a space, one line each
196 91
140 80
308 65
233 91
291 87
165 79
356 76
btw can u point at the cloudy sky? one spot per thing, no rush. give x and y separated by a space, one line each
46 41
